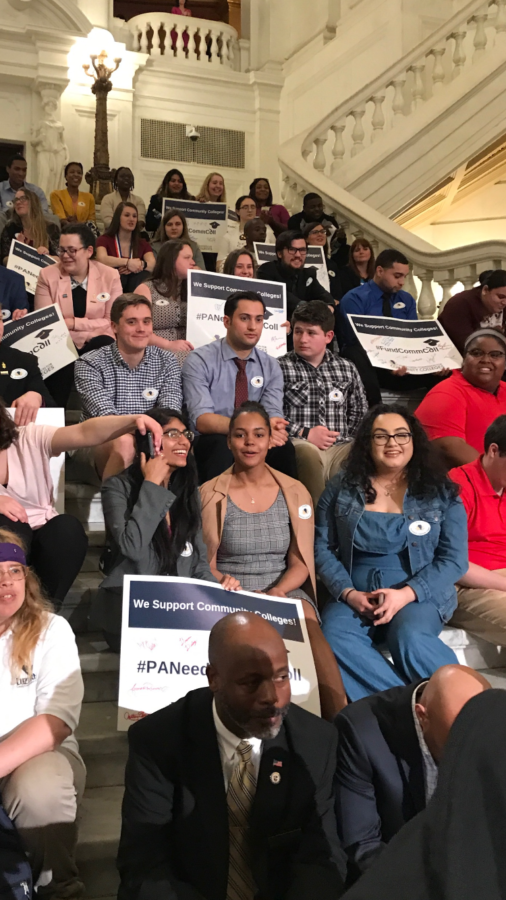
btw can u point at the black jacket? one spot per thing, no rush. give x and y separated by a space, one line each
344 280
20 373
380 778
301 284
174 840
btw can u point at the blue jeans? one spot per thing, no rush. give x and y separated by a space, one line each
411 637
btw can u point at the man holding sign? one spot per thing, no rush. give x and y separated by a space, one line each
228 791
220 376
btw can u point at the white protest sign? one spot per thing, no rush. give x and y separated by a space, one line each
207 222
207 293
28 263
165 637
42 333
421 345
315 256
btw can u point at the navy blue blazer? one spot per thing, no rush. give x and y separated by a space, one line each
379 777
12 292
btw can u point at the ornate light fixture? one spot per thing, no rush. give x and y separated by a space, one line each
99 176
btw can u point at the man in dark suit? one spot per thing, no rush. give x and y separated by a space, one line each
289 268
229 791
389 746
21 383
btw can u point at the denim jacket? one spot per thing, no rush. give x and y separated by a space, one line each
437 558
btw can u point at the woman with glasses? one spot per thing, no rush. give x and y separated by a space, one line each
85 290
235 238
174 227
29 226
123 248
42 775
391 542
153 523
259 527
457 412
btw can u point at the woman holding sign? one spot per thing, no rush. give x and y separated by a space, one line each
391 542
258 526
167 292
174 186
152 520
29 226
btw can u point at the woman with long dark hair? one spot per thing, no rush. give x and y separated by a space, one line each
258 525
123 248
391 542
273 214
360 268
153 523
174 186
174 227
28 225
167 292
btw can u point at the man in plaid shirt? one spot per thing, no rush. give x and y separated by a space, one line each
128 376
324 399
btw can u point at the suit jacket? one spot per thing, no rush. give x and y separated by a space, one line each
174 841
214 495
12 292
54 286
13 383
380 776
301 284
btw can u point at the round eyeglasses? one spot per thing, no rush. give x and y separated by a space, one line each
174 434
14 572
402 437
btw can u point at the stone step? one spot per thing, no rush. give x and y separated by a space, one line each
84 502
100 668
99 829
103 748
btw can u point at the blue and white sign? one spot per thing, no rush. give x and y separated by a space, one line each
165 637
419 344
207 293
207 222
44 334
25 260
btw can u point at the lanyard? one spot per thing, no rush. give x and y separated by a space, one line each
118 248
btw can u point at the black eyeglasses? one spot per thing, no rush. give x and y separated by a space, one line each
479 354
69 251
402 437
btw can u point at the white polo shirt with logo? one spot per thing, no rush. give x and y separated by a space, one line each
55 687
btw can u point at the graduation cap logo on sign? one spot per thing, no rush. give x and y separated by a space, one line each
42 335
268 314
214 225
432 342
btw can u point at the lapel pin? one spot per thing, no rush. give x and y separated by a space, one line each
277 762
275 777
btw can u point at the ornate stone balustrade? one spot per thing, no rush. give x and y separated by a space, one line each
184 39
405 87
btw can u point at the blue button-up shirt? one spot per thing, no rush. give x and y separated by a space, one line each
209 377
7 194
367 300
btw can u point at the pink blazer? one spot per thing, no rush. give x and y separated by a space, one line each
104 285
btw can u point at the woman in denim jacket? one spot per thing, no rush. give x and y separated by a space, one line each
391 541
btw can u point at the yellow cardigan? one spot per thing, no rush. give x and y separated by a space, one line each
62 205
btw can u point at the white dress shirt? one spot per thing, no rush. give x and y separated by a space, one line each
228 744
430 769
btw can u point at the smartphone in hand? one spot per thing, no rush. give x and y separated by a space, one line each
144 444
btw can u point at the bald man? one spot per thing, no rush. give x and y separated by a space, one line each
390 745
229 791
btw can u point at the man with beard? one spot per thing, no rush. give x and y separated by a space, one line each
229 791
290 268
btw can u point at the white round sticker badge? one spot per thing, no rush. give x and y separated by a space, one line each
10 204
305 511
150 394
419 528
162 302
6 314
336 395
188 549
103 297
309 281
257 381
18 373
332 274
81 203
399 305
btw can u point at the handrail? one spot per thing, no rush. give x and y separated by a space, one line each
184 38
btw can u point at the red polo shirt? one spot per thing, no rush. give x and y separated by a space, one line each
456 408
486 515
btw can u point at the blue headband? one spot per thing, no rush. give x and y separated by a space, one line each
12 553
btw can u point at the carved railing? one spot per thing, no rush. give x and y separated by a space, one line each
388 101
184 39
430 265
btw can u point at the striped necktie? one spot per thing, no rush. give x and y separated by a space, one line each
240 795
